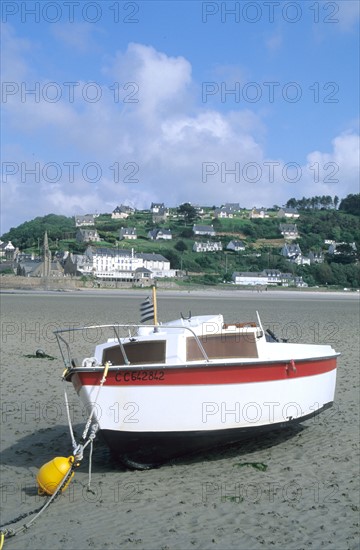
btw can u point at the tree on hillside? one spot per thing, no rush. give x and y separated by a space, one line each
31 233
181 246
351 204
324 274
188 212
345 254
187 233
173 258
323 202
292 203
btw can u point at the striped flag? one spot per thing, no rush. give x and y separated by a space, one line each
147 310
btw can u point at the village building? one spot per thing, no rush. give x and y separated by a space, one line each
158 234
122 212
204 230
258 213
88 219
249 278
208 246
288 213
223 212
156 207
316 257
160 215
293 253
128 233
267 277
289 231
236 246
8 251
121 264
87 235
46 266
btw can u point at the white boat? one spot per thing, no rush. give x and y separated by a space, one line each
159 391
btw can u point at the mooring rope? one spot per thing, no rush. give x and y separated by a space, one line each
12 532
78 456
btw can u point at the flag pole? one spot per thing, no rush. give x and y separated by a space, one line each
154 303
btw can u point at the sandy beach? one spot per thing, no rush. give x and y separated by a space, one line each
305 496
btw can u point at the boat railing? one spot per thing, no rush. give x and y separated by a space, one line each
68 359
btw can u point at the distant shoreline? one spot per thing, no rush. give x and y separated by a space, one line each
211 292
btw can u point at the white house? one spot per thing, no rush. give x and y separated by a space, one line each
111 263
249 278
223 212
123 265
292 252
289 230
142 274
156 207
8 250
87 235
258 213
274 276
316 257
288 213
88 219
128 233
208 246
267 277
204 230
158 264
122 212
157 234
236 246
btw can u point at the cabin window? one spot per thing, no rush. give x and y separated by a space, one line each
222 346
138 353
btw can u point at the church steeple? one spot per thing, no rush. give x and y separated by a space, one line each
46 257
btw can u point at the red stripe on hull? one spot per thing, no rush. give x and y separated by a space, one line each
220 374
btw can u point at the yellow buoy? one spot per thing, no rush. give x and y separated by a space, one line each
52 473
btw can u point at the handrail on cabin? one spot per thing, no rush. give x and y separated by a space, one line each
115 327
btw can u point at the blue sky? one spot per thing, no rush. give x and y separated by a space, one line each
207 102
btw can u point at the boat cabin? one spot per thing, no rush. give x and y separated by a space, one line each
185 340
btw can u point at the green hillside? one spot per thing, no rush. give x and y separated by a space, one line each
261 237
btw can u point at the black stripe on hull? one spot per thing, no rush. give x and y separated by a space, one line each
142 450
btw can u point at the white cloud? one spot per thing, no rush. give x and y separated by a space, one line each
177 150
161 80
338 170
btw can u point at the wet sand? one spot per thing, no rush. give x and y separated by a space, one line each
307 497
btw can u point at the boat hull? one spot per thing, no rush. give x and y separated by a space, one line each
153 418
143 450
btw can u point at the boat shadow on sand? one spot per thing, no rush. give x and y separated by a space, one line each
37 448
